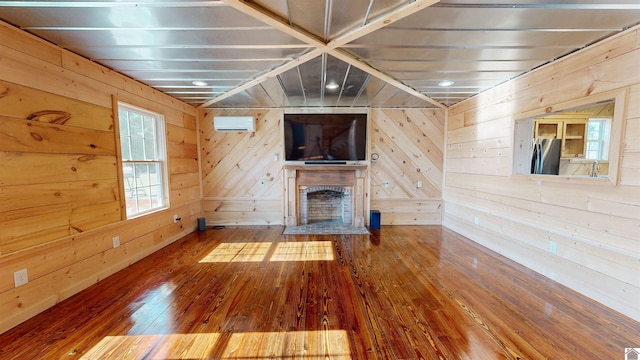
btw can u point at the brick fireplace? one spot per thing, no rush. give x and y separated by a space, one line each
325 193
324 204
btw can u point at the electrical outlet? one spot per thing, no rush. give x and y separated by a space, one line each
116 241
20 277
176 218
262 183
387 184
419 184
275 156
553 247
476 220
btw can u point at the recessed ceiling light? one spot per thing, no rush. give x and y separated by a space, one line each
332 86
199 83
445 83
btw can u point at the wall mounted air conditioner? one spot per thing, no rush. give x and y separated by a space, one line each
234 123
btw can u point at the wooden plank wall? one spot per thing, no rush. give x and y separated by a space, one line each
242 182
596 227
59 192
410 145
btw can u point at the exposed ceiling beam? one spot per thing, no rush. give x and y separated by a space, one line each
275 72
382 21
275 22
331 48
384 77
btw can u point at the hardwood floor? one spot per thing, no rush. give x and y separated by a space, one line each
406 292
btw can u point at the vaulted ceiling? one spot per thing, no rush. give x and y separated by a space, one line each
322 53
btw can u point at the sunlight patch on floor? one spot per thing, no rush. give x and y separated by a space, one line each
259 251
238 252
320 344
328 344
304 251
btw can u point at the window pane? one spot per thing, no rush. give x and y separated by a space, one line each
132 206
142 175
124 123
144 203
594 130
126 150
155 176
156 195
137 149
129 180
150 149
149 128
135 125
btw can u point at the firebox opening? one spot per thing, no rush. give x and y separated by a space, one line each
325 204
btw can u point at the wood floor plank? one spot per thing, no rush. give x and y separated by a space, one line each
404 292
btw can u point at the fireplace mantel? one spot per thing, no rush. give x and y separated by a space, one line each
352 176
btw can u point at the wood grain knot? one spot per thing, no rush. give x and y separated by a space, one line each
86 157
50 116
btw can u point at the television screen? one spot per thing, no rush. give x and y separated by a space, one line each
325 137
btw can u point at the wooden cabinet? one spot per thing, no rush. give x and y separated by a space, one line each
548 129
572 132
573 138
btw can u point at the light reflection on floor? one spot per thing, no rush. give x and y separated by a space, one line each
325 344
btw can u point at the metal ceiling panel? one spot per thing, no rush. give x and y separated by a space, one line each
240 100
311 74
259 98
352 88
273 88
150 38
482 78
453 66
447 53
328 19
476 39
309 15
479 16
359 13
132 65
252 59
190 75
291 83
123 14
194 53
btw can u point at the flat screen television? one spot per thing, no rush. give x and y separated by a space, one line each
325 138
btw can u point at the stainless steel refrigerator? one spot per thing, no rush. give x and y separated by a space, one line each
546 156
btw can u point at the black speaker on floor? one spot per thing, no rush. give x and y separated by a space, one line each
374 219
202 224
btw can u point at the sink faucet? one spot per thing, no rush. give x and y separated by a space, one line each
594 169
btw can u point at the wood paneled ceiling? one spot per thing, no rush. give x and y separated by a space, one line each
322 53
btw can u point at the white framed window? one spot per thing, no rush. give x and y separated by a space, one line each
598 134
144 168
